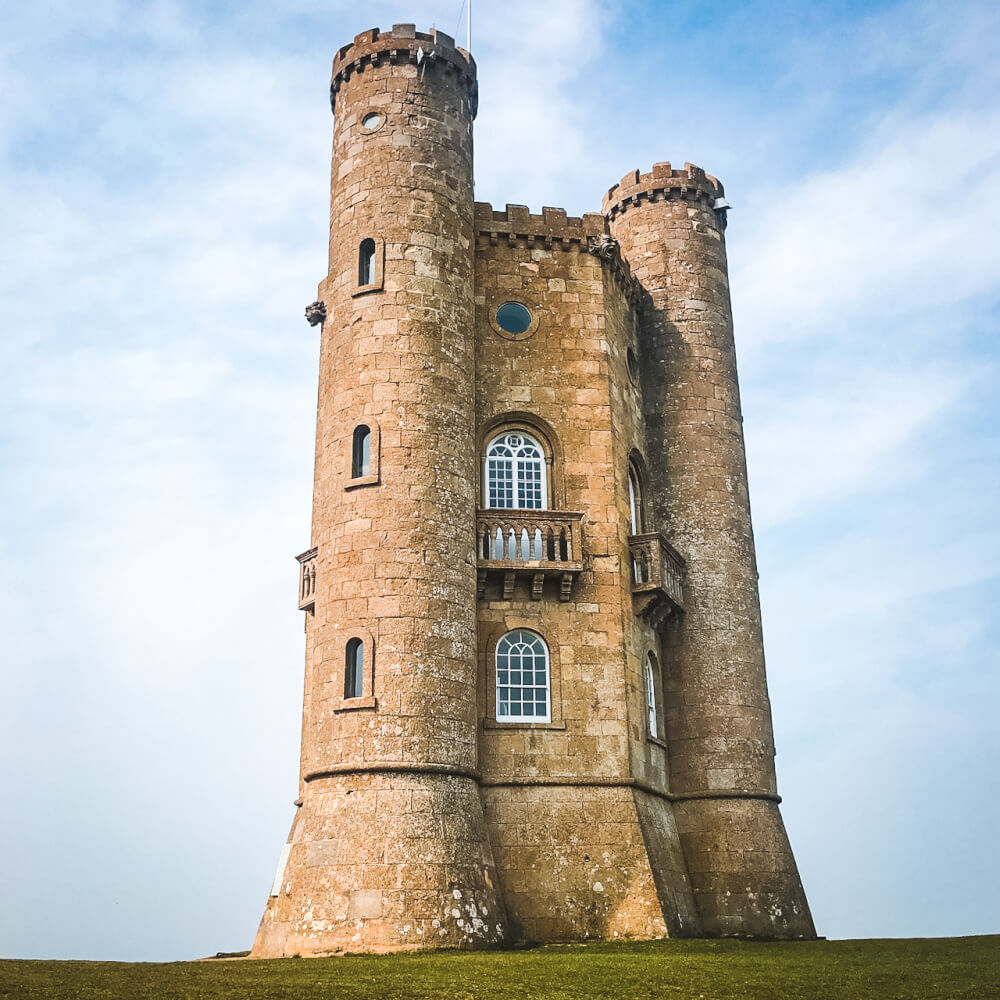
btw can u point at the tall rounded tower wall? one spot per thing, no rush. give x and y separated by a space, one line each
397 546
389 848
715 692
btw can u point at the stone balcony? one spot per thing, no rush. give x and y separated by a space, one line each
534 544
307 580
658 572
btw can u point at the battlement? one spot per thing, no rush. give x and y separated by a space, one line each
660 183
552 227
404 44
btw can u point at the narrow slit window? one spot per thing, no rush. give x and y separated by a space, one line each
354 669
651 696
361 457
366 263
634 501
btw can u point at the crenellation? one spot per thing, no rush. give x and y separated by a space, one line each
552 224
661 183
403 50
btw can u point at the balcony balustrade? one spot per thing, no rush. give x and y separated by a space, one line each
529 543
307 580
658 572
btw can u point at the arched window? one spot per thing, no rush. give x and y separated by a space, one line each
634 500
650 675
366 262
361 455
515 472
354 669
522 669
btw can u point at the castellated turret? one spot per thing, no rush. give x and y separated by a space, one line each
535 705
671 224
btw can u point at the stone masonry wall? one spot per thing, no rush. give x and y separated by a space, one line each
562 817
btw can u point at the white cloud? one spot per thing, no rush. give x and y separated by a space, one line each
533 134
906 224
855 432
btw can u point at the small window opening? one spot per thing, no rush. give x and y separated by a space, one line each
354 669
366 262
371 121
634 502
513 317
361 459
632 363
651 695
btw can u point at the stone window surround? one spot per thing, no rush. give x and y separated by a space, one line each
367 701
374 452
363 129
498 297
544 434
488 640
378 282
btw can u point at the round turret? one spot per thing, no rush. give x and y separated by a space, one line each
389 848
670 224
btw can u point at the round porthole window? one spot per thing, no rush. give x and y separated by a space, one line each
513 317
372 121
632 363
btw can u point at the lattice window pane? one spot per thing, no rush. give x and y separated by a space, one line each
522 678
515 473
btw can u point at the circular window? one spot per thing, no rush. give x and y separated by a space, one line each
513 317
371 121
632 363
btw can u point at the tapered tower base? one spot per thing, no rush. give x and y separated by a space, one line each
594 862
742 870
385 862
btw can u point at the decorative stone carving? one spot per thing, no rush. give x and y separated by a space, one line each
316 313
605 247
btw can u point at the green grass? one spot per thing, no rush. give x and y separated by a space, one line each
920 969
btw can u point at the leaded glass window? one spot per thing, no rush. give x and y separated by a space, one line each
515 472
522 669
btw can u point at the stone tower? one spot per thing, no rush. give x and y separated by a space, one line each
535 705
718 714
389 847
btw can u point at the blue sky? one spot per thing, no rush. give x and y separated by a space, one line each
164 184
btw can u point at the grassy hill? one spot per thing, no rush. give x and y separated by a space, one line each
919 969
